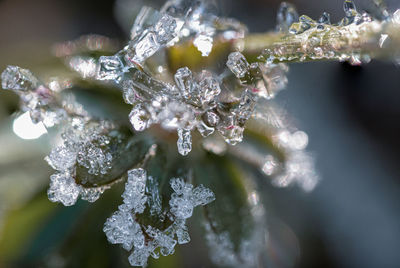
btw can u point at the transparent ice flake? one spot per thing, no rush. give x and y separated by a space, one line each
230 129
184 81
91 194
181 207
202 196
85 66
50 117
145 240
134 194
246 106
129 93
140 118
146 18
178 8
183 234
96 159
238 64
304 24
61 158
18 79
110 68
212 118
139 257
351 14
176 115
270 165
184 141
349 8
209 87
179 186
204 129
145 47
325 18
63 189
154 200
121 228
166 29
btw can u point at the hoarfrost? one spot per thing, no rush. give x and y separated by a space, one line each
142 240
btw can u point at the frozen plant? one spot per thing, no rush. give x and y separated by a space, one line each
199 90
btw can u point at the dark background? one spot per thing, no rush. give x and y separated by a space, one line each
351 114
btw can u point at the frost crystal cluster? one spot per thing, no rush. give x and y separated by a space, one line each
202 101
85 144
141 195
35 97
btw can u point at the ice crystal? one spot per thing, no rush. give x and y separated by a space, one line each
18 79
185 198
134 198
62 158
121 228
148 38
95 159
83 144
110 68
35 97
287 15
238 64
184 141
193 102
143 241
63 189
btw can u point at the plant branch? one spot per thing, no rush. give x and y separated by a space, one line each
357 43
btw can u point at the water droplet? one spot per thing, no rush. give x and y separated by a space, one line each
349 8
325 19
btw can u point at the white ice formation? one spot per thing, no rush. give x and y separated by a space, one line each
84 143
194 101
142 240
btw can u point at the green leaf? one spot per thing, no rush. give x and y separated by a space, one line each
231 211
21 224
163 166
85 244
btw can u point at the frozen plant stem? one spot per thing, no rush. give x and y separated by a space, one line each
315 45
